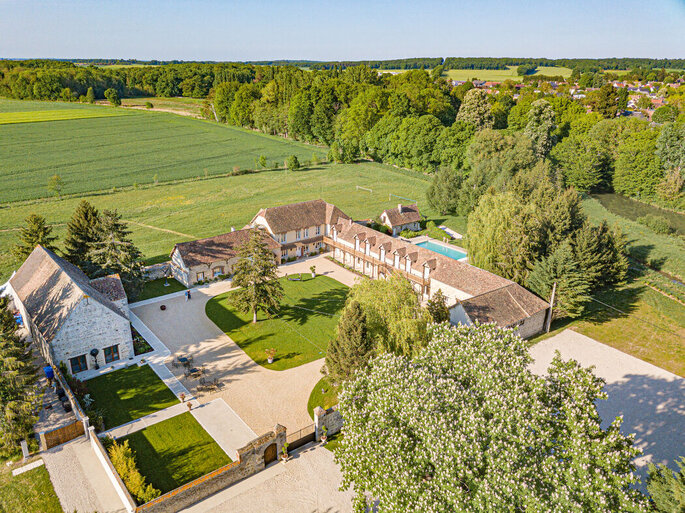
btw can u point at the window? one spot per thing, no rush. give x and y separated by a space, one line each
78 364
218 271
356 244
200 276
383 254
284 237
397 261
318 230
297 235
111 354
306 233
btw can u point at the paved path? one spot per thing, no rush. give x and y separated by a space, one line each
147 421
308 483
261 397
26 468
224 425
79 479
651 400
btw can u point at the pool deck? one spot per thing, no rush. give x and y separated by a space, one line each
426 238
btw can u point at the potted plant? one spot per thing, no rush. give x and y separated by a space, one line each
313 270
182 397
324 434
270 353
284 452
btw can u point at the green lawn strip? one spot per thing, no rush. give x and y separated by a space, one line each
175 451
653 329
156 288
334 442
301 330
30 492
129 394
323 394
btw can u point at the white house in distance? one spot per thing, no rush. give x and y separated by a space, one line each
404 217
72 319
299 227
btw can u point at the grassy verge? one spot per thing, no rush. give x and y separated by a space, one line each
156 288
30 492
323 394
334 442
129 394
299 333
175 451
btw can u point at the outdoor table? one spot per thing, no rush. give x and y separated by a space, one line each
194 372
182 359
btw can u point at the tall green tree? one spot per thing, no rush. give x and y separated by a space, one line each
113 97
18 393
36 232
255 274
442 194
667 488
437 307
113 252
55 185
600 254
540 127
90 95
411 423
82 233
639 170
476 109
604 101
572 289
352 347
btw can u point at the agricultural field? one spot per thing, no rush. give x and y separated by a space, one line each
499 75
183 106
39 116
136 148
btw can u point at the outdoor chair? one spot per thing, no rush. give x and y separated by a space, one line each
203 381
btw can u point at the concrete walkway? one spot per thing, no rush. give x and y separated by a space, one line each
26 468
308 483
224 425
79 479
147 421
651 400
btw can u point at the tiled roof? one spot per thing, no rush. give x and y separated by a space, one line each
297 216
110 286
309 240
505 306
409 214
220 247
49 287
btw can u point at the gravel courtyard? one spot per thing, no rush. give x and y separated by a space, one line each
651 400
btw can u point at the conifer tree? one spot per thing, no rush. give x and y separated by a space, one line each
437 307
666 488
255 274
352 346
36 232
82 233
18 397
114 252
599 252
572 285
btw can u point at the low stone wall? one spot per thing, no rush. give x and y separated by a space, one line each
111 472
61 435
331 418
250 461
156 271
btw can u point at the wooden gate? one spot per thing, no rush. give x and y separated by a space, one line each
270 454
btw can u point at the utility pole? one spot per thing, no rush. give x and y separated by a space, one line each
551 305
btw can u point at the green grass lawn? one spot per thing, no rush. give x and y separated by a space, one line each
30 492
156 288
323 394
179 105
175 451
129 394
300 332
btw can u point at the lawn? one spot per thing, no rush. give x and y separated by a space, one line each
323 394
129 394
301 330
30 492
175 451
156 288
138 147
500 75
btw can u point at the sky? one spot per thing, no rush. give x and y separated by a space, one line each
340 30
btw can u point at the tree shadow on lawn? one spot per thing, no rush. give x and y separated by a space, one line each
654 409
624 300
324 304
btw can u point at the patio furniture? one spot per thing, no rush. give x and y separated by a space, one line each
194 372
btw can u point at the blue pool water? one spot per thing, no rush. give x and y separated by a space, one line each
455 254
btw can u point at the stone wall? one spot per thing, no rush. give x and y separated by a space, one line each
111 472
533 325
250 461
331 418
156 271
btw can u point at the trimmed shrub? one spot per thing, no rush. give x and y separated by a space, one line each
124 462
657 224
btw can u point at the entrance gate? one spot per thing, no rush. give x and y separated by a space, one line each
270 454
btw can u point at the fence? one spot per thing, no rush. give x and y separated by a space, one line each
301 437
111 472
58 436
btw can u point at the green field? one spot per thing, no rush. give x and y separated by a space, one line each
159 287
500 75
183 106
140 147
37 116
323 394
175 451
205 208
299 333
30 492
129 394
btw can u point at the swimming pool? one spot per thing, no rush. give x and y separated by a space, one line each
454 254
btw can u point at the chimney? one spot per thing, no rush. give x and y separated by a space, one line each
399 207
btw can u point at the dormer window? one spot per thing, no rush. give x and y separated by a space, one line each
368 248
356 244
382 254
397 261
407 264
426 271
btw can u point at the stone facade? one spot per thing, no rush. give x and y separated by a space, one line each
156 271
331 418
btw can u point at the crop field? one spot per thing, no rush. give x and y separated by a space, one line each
37 116
183 106
137 148
164 214
499 75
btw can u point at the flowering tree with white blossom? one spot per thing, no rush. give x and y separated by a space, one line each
465 426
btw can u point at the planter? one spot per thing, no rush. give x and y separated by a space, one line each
313 275
284 458
270 359
324 439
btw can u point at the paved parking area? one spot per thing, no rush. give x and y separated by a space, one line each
651 400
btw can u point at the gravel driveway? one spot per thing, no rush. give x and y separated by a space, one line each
651 400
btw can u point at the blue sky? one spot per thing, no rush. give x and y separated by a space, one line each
335 30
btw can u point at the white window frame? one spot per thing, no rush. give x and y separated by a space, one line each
318 230
298 235
306 233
